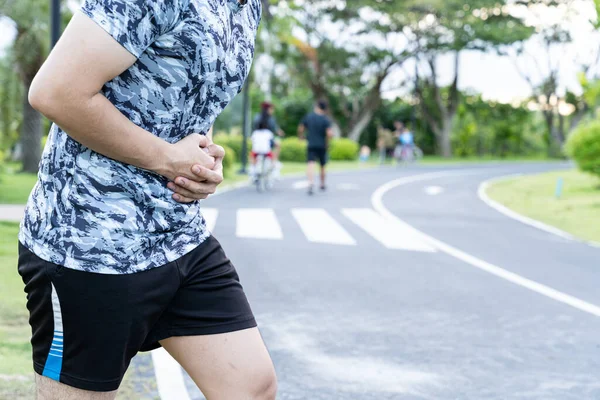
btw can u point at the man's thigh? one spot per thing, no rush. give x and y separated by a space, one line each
231 365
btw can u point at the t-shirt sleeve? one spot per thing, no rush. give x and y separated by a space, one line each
135 24
273 125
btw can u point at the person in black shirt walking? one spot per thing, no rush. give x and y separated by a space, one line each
318 130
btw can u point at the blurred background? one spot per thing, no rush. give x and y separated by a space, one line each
489 88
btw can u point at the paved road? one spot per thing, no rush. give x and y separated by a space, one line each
351 314
356 305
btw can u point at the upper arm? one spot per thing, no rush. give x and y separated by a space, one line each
273 125
101 42
84 59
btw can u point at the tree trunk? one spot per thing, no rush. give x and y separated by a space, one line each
554 140
31 136
356 130
444 139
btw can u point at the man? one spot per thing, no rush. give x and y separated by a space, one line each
114 251
267 113
318 128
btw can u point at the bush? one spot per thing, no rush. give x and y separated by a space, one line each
228 161
234 142
343 150
583 146
293 149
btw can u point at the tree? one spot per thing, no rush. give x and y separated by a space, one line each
10 98
541 63
447 28
28 52
335 57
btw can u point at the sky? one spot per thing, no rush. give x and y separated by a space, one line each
495 77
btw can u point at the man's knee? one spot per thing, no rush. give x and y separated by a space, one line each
264 387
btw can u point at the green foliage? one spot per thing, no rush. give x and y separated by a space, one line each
591 89
228 161
583 146
10 105
293 149
342 149
234 142
2 163
488 128
465 137
292 109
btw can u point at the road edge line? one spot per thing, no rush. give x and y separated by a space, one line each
169 376
377 203
483 196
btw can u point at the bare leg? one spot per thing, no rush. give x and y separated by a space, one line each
310 173
228 366
323 177
48 389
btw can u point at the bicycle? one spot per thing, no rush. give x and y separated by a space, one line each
407 154
263 175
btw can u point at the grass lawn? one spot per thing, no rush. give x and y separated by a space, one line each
15 188
576 212
16 378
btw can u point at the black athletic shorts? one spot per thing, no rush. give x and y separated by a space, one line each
87 327
317 154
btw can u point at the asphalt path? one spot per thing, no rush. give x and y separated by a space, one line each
364 318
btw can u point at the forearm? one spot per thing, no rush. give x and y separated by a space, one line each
97 124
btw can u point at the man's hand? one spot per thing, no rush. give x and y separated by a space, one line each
200 179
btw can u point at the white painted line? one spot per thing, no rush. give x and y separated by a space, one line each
300 185
391 234
169 376
320 227
210 216
258 223
12 213
434 190
482 193
377 201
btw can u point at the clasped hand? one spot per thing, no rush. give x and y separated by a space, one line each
194 167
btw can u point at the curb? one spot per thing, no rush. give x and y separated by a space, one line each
481 193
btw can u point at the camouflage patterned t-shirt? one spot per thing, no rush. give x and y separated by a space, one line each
92 213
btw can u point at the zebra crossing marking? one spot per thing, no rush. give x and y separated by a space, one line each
388 232
258 223
319 227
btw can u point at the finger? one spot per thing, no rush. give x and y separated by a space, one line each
216 151
182 199
218 168
209 175
200 140
192 189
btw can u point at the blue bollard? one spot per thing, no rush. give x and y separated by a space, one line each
559 188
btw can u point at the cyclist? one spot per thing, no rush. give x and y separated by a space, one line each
406 142
267 111
262 144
